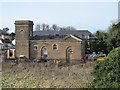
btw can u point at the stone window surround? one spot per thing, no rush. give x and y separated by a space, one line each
54 47
21 30
35 47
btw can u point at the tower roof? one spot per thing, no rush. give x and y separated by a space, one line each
23 22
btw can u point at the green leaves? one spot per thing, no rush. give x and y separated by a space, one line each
107 73
106 41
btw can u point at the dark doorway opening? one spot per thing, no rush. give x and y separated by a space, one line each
68 54
44 54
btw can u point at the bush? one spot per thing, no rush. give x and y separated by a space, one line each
107 73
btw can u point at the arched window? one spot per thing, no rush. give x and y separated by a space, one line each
54 47
21 31
35 47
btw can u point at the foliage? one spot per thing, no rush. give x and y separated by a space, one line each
114 35
5 30
106 41
12 36
106 73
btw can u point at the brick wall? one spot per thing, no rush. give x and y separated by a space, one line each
60 53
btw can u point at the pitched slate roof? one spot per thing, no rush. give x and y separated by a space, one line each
79 33
44 37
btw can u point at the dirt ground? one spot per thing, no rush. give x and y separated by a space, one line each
43 75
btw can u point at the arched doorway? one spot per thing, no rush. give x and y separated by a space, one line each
68 54
44 53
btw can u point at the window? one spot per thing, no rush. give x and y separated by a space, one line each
10 53
83 35
57 34
21 31
54 47
35 47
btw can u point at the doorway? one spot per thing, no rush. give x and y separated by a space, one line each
44 53
68 54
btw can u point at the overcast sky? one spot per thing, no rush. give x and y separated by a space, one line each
92 16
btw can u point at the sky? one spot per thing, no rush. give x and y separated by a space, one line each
90 16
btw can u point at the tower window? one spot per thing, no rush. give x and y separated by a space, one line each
21 31
54 47
35 47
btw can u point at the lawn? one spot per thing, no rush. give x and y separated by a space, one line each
42 75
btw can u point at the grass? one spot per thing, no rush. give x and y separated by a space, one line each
39 75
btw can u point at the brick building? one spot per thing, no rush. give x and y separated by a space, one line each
67 47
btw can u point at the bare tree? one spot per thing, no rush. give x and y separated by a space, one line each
55 27
58 28
70 28
43 27
47 27
62 28
67 28
37 28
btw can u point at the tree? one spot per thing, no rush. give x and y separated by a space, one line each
99 44
54 26
106 73
114 35
5 30
67 28
62 28
47 27
38 27
106 41
12 36
43 27
70 28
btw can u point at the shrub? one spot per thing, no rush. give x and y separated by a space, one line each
107 73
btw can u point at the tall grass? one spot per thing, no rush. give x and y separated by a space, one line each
42 75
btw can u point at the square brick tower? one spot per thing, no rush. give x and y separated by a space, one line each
23 32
